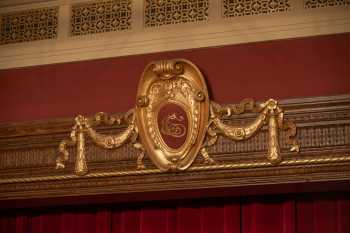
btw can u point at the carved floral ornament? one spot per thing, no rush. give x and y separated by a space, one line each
174 121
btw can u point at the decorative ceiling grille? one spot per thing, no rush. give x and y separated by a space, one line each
105 16
163 12
324 3
233 8
29 25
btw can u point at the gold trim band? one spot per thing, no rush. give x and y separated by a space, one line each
229 166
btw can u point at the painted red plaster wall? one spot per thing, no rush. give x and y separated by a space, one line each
315 66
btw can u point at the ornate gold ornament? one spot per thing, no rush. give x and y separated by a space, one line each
174 121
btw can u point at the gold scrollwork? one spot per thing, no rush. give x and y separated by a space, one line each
168 69
180 83
142 101
83 126
269 112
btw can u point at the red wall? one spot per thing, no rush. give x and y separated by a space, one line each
281 69
303 67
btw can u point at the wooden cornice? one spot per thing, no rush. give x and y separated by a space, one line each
28 151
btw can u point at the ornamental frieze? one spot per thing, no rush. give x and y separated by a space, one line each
176 138
174 121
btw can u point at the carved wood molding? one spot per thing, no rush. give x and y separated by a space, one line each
28 152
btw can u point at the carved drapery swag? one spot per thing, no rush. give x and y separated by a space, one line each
174 121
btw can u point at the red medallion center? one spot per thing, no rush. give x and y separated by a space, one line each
173 125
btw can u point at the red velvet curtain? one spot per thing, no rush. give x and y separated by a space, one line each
277 214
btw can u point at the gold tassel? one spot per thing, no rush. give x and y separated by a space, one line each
80 162
274 147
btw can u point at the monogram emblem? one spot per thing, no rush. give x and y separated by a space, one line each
172 126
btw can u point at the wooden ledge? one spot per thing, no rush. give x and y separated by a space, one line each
28 152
